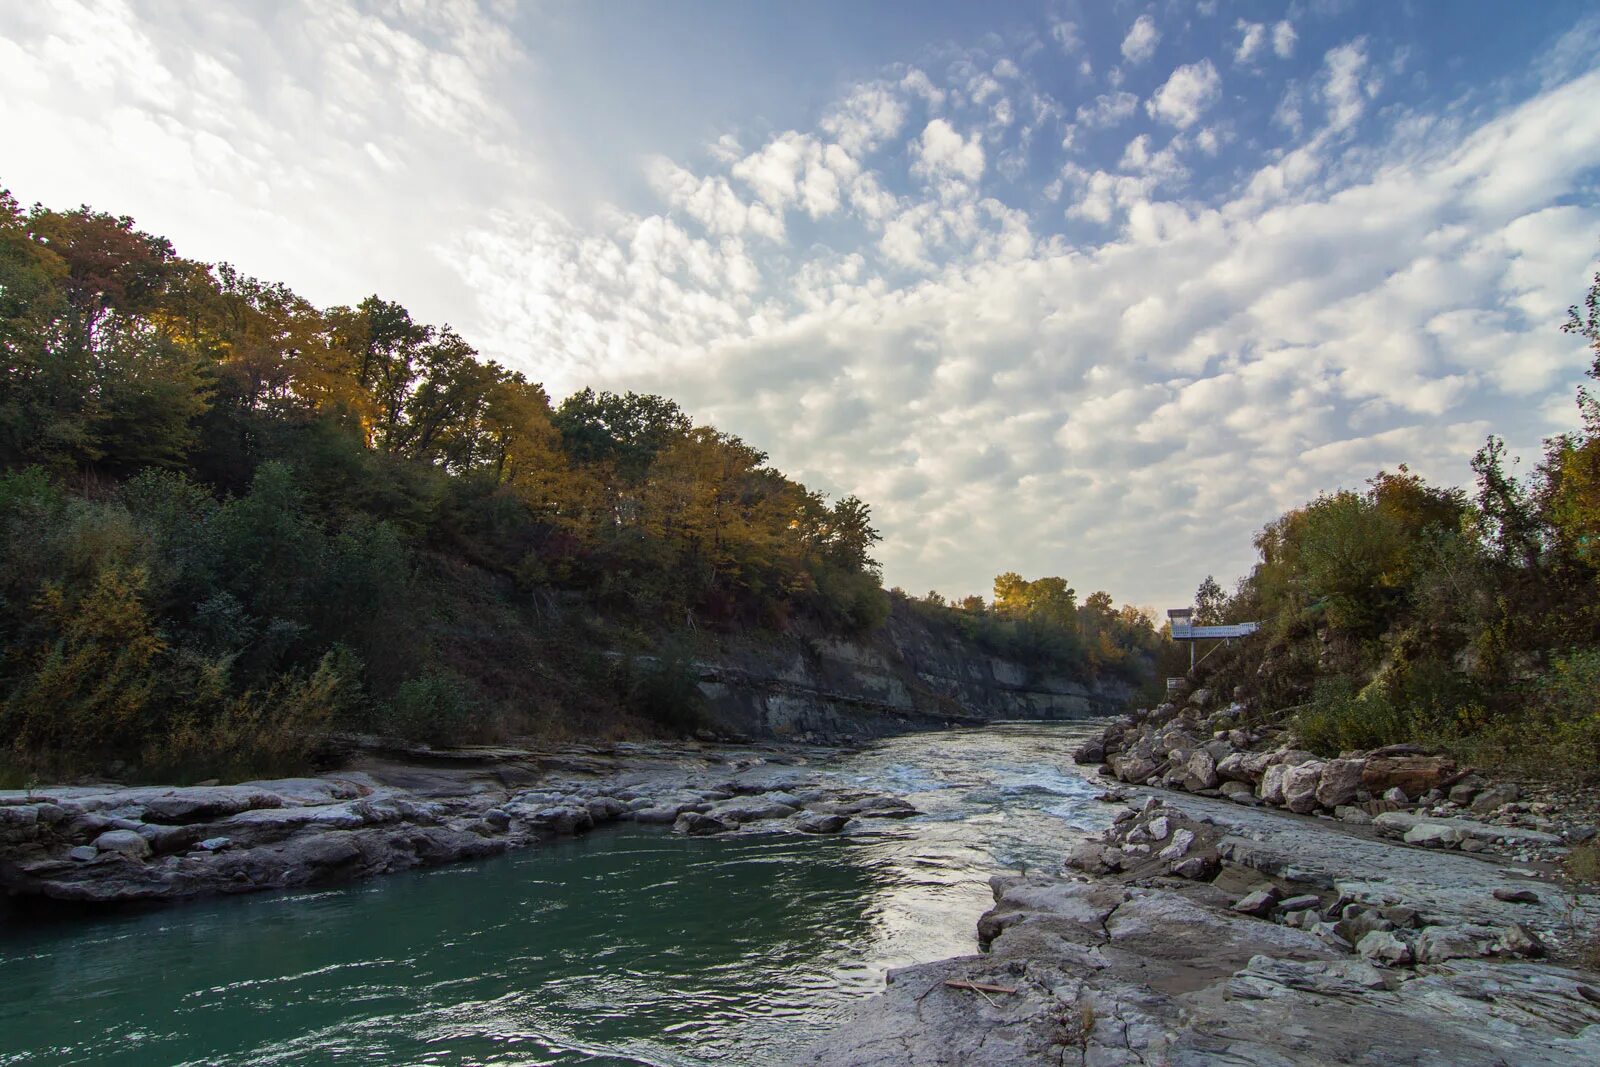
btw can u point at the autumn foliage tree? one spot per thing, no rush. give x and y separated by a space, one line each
212 490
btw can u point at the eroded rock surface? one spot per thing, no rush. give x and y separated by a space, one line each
115 843
1271 941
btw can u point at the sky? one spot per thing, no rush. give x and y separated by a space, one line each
1091 289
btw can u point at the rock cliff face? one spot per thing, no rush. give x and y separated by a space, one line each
910 675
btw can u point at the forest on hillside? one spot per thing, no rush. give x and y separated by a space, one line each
232 522
1463 618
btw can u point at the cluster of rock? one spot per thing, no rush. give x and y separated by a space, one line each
115 843
1153 839
1401 788
1228 934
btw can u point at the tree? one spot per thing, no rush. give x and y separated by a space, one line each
1209 602
626 430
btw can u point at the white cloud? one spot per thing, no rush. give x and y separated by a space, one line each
1140 43
1252 36
712 202
918 83
1283 39
1066 35
1288 113
1108 109
795 169
868 117
1163 165
1186 95
944 155
1178 363
1343 90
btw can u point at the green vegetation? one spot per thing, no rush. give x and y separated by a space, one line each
1408 612
1040 625
234 525
234 522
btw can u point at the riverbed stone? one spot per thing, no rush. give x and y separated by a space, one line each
1182 841
1300 787
1516 896
1340 782
820 822
1300 902
1518 940
1383 946
697 824
1200 771
124 842
1446 831
1494 798
1414 775
1259 903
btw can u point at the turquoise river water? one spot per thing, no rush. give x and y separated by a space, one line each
627 946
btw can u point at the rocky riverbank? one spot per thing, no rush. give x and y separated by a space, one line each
1387 907
1213 934
110 843
1425 798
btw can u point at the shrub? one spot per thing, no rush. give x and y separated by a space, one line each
86 693
275 731
664 689
434 708
1339 717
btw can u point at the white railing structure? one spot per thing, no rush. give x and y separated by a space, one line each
1180 622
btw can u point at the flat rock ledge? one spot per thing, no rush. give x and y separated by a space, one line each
1214 935
111 844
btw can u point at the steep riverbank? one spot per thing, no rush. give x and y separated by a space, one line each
914 673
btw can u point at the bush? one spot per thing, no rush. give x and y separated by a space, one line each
1556 727
1339 718
664 689
273 732
851 600
434 708
88 691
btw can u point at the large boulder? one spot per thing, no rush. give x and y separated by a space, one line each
1436 944
125 842
1494 798
1200 772
820 822
1340 782
1133 768
755 809
1092 750
207 802
563 819
1300 787
1271 787
1415 775
697 824
1383 947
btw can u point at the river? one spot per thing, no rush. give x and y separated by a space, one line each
624 947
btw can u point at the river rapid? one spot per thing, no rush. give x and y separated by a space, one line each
627 946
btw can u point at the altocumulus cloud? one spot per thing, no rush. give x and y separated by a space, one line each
1105 333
